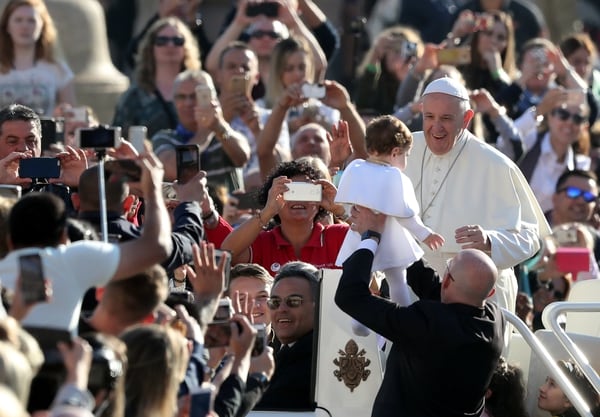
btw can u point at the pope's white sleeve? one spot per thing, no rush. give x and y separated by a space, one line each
511 247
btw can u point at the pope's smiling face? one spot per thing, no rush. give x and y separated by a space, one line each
444 118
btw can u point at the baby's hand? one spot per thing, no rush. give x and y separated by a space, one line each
434 241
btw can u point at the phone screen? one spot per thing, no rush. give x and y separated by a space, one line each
39 168
188 162
33 286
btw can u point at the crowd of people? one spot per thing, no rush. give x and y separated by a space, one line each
453 174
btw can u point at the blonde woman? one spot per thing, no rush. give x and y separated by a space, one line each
386 64
157 358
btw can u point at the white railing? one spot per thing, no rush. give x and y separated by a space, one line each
550 319
575 398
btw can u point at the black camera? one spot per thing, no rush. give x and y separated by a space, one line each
52 131
218 334
266 8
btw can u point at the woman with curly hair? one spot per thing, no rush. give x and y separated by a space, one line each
167 49
297 235
30 74
505 397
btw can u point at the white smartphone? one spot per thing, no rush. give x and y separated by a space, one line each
303 191
137 136
204 95
313 90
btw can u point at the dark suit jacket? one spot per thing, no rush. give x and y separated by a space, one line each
289 388
443 355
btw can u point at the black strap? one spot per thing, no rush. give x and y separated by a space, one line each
172 117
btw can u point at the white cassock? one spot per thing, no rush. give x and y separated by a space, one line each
474 184
385 189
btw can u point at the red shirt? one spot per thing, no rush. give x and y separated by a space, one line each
271 250
219 233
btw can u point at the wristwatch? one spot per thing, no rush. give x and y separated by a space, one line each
260 378
371 234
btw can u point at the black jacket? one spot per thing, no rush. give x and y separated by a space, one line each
443 355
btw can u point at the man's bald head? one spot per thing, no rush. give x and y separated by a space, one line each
470 278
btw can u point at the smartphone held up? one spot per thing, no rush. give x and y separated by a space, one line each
33 284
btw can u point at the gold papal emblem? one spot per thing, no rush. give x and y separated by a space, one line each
352 365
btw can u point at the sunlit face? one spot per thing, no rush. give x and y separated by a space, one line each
494 39
537 60
25 26
551 398
237 62
312 142
575 209
184 98
258 293
299 210
443 121
566 124
263 37
294 69
19 136
581 60
291 323
170 52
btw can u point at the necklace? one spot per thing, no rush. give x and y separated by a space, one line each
420 184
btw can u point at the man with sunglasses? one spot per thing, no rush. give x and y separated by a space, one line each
433 341
292 305
575 200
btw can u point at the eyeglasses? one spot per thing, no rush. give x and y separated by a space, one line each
164 40
564 115
549 286
292 301
500 37
261 33
574 193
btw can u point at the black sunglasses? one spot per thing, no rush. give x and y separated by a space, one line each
260 33
564 115
163 40
292 301
574 193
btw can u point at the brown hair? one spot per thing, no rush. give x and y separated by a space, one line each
44 46
507 56
385 133
145 70
575 41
